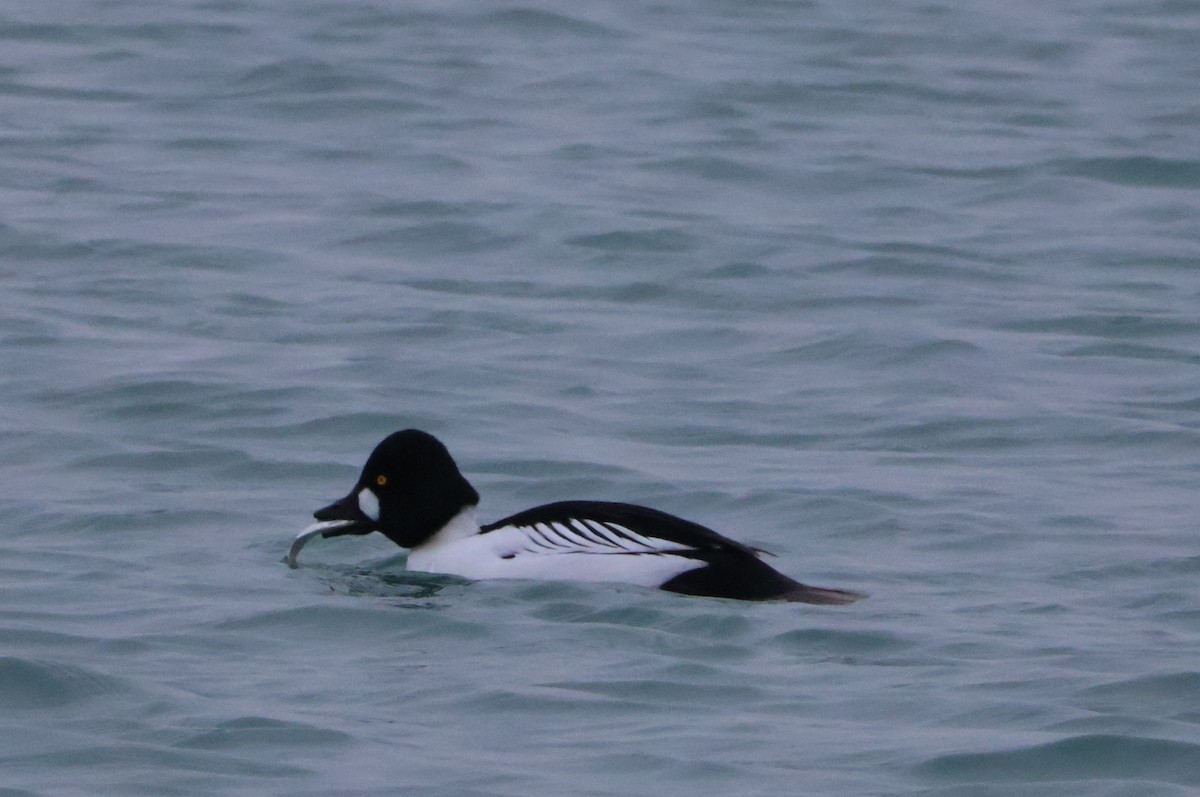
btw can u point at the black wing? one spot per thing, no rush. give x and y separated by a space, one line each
627 522
732 570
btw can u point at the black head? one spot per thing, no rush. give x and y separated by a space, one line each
408 490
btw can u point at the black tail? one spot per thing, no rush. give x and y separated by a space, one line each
735 572
824 596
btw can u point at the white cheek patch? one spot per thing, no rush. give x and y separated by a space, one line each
368 502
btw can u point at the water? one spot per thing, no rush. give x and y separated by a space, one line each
905 294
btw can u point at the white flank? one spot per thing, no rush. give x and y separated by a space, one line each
583 552
368 502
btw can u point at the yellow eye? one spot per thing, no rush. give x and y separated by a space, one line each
381 480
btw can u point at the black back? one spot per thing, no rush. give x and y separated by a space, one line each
638 519
732 570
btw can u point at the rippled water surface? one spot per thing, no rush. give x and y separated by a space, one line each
907 294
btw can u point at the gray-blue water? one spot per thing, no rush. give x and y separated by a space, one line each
907 293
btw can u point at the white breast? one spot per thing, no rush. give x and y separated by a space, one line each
579 551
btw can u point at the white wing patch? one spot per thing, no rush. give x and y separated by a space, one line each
574 550
592 537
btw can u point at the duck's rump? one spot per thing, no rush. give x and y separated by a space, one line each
650 547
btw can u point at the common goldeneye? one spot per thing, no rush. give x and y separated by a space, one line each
412 492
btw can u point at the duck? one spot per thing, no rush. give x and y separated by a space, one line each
412 491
